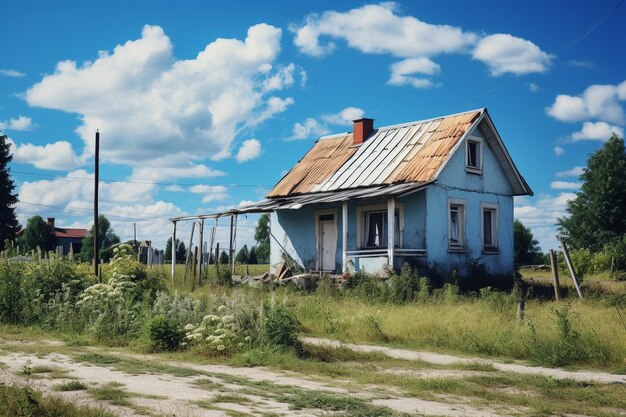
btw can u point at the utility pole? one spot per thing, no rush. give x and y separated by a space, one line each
135 234
95 208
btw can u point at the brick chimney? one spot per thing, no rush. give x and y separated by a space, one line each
361 129
51 222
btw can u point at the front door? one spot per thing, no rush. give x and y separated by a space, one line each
326 241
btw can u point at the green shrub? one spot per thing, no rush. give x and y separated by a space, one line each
12 297
326 287
498 301
403 287
281 327
164 334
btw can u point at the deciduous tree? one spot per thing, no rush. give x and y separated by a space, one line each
106 238
597 215
527 250
262 237
37 233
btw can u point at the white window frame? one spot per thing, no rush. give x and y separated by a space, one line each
479 143
362 219
495 222
461 206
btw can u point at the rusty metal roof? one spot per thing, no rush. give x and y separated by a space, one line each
322 161
411 152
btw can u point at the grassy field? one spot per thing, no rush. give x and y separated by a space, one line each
583 333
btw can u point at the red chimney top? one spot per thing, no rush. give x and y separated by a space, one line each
361 129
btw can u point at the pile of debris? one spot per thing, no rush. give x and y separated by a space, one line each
304 281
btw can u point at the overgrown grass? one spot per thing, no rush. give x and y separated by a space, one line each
18 401
70 386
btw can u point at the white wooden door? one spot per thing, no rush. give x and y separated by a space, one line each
327 241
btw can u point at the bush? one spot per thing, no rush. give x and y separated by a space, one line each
12 297
281 327
219 333
164 334
403 287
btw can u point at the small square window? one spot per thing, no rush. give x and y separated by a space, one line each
474 154
456 225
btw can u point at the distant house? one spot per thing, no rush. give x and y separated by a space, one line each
438 192
66 236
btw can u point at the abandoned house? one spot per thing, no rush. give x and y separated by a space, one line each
437 192
65 237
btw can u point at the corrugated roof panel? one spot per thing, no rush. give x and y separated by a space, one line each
323 160
435 151
411 152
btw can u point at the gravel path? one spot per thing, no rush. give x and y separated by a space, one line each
442 359
214 390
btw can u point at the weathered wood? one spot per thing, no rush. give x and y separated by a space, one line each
284 274
200 249
194 263
280 267
96 177
555 275
189 249
570 266
521 307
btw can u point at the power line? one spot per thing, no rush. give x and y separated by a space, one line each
110 215
37 174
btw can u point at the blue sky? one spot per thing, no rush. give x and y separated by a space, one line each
204 105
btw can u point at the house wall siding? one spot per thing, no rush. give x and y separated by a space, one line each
294 232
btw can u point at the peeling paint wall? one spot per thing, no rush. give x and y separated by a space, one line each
490 187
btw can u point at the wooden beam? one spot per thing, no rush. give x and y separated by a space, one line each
570 266
555 275
344 237
189 249
391 230
200 250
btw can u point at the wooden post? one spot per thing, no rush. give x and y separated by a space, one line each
344 237
189 249
570 266
201 230
234 244
391 230
217 259
194 264
173 253
555 274
96 177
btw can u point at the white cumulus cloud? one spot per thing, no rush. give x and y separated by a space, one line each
20 123
601 131
344 117
402 72
147 103
55 156
558 151
380 29
250 149
574 172
540 214
210 192
601 102
506 53
565 185
308 129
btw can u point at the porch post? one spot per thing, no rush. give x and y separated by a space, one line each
391 229
344 237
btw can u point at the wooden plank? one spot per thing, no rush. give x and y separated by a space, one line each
193 225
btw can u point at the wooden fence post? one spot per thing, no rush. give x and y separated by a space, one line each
570 266
555 275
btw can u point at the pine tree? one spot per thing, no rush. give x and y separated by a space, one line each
8 222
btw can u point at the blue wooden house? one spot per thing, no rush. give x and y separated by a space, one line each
438 192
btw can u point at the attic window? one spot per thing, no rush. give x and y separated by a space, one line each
474 156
